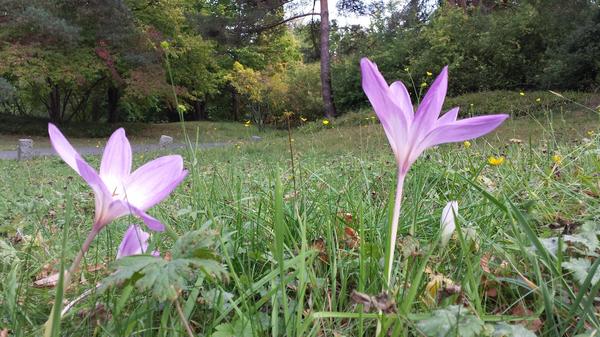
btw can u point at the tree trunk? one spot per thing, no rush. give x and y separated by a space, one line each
54 110
199 113
325 62
113 96
236 104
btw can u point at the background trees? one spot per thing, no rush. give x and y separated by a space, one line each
109 60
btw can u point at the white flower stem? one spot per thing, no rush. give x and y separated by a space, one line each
77 261
394 229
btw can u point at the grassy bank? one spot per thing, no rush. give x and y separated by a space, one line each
332 229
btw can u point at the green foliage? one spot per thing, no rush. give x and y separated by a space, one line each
575 62
458 321
239 328
194 251
507 330
451 321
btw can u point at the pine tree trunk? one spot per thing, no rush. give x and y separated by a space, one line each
199 112
236 104
54 110
326 63
113 96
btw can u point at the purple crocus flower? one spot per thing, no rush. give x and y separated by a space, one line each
117 191
411 133
135 242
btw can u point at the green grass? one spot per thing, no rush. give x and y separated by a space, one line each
94 134
291 264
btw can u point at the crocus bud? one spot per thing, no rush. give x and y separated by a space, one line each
447 222
135 242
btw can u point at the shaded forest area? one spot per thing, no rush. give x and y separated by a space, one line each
154 60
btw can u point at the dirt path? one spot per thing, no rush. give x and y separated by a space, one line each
92 150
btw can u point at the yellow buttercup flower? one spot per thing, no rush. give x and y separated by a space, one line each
538 99
495 161
557 159
325 122
429 73
248 123
467 144
522 93
423 85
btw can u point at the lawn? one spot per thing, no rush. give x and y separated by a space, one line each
296 252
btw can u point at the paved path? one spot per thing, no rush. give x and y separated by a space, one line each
91 150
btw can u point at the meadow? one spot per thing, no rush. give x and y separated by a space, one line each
299 223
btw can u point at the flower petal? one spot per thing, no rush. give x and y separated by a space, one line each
389 113
431 106
462 130
448 117
153 182
399 95
116 160
62 146
447 222
135 241
103 198
150 221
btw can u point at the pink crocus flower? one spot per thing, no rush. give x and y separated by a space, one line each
135 242
410 133
117 190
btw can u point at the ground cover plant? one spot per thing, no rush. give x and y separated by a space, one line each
302 246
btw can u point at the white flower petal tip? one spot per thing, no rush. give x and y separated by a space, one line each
447 222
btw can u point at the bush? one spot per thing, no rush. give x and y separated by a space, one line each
304 91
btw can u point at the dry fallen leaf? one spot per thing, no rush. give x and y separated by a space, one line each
381 302
291 195
47 282
484 262
521 311
409 246
96 267
438 283
319 246
351 238
347 217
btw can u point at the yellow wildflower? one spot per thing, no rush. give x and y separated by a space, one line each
538 99
423 85
303 119
495 161
522 93
467 144
406 69
181 108
164 45
248 123
590 133
429 73
325 122
557 159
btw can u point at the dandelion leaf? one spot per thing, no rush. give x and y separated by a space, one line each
451 321
163 278
239 328
580 268
507 330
